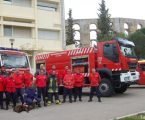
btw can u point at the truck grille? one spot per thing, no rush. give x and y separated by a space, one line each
132 65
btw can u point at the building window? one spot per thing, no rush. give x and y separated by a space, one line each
22 32
48 34
18 32
47 6
8 31
8 2
76 27
93 27
93 35
24 3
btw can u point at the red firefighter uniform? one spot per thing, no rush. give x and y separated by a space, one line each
64 73
1 83
56 71
1 91
41 80
68 81
28 79
95 79
79 79
19 80
10 85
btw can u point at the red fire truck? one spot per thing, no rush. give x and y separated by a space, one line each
141 69
13 59
115 60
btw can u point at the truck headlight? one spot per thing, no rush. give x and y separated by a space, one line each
127 78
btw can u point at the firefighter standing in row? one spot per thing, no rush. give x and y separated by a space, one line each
68 82
41 80
52 86
10 89
28 79
78 84
19 84
42 67
1 91
94 84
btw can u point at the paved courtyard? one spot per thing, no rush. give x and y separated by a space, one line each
130 102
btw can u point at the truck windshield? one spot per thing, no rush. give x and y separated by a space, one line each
14 61
128 51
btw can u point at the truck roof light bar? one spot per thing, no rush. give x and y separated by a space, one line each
124 41
4 48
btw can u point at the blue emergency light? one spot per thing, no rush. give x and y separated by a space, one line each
4 48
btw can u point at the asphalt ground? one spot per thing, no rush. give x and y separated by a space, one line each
132 101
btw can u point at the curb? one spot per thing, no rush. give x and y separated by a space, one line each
117 118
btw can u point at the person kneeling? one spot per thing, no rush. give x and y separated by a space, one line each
52 86
31 99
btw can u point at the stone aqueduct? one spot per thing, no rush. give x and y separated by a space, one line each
86 29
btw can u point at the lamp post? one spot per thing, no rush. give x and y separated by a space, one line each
12 42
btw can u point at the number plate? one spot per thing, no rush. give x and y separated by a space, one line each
134 77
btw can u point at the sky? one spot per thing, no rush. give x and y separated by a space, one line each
83 9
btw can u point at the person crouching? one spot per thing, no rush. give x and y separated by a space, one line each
52 86
31 98
68 86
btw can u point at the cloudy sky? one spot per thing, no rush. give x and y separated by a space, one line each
83 9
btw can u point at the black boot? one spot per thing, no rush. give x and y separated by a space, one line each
2 107
89 100
7 107
70 100
99 99
45 104
39 105
80 99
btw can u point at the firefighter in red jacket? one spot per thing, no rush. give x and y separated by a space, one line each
78 84
41 80
1 91
94 83
28 79
19 84
53 69
10 89
68 86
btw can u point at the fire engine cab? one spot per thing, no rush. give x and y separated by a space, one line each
13 59
114 59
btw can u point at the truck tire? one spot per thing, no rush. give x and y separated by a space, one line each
122 89
105 88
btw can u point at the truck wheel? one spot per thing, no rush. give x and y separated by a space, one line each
122 89
106 88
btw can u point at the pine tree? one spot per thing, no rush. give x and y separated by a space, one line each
104 22
69 29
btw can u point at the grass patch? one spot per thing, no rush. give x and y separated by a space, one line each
140 116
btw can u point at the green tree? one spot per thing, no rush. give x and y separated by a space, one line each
69 29
104 22
139 39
